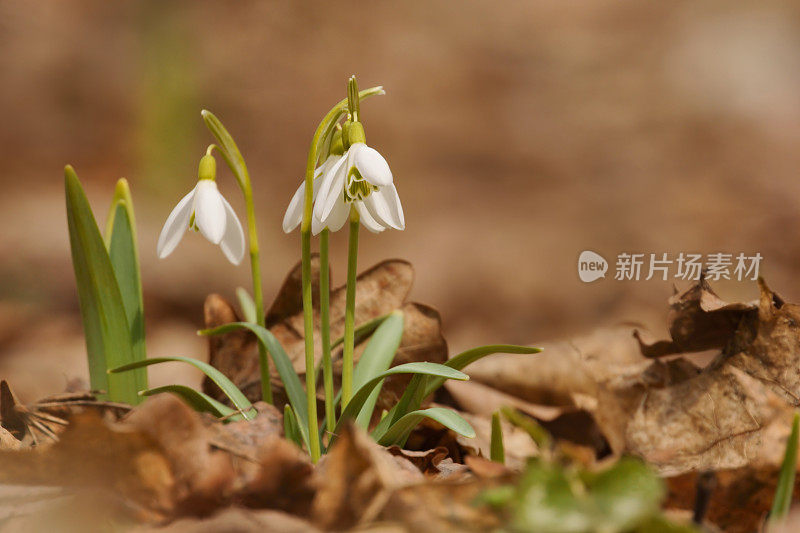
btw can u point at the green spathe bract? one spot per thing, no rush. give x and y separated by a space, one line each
108 334
231 391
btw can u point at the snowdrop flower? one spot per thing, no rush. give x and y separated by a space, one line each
360 179
205 210
294 213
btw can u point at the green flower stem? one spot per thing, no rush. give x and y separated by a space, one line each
308 323
325 329
243 179
258 295
349 310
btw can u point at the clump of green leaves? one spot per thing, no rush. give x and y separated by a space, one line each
110 294
372 369
109 290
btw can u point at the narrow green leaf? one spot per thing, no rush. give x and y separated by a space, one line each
464 359
291 381
221 380
537 433
400 430
123 252
247 305
421 387
362 395
108 342
291 429
783 492
497 451
198 400
376 358
362 331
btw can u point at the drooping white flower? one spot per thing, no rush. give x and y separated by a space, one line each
361 180
205 210
294 213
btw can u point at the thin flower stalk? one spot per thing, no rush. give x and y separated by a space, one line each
233 157
325 330
325 128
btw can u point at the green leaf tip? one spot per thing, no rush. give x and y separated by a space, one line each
786 476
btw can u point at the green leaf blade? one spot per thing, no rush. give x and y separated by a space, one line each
362 394
247 305
102 309
464 359
291 427
497 452
221 380
400 430
785 488
421 386
291 381
122 251
376 358
198 400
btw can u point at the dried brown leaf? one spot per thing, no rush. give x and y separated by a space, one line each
562 369
699 320
356 478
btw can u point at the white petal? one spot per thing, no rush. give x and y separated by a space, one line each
389 194
339 215
330 190
379 209
372 166
232 243
366 218
294 213
209 211
175 226
316 226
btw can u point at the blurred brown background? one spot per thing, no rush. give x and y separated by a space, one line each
519 134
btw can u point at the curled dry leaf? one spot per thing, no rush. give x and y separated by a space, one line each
42 422
699 320
734 413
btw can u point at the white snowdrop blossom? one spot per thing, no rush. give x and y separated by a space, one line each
360 179
294 213
205 210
